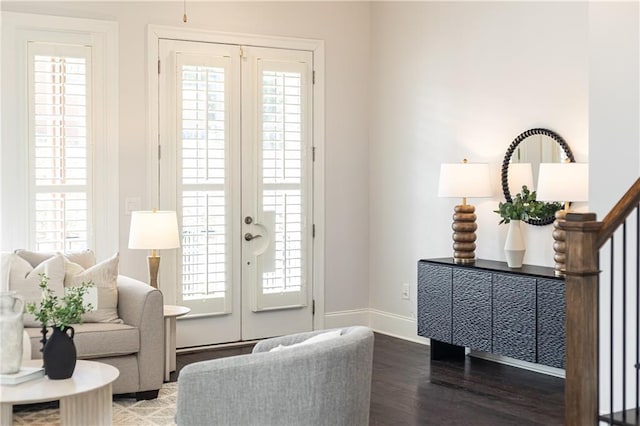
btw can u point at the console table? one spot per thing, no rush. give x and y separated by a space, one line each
490 307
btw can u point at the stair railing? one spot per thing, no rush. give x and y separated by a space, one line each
585 237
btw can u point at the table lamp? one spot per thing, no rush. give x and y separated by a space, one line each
564 182
464 180
154 230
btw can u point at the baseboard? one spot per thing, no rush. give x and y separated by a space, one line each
396 325
339 319
381 322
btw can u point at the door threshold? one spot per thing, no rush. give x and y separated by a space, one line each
191 349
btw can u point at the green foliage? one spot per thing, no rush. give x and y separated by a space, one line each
525 206
60 311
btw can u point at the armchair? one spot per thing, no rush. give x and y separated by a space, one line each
323 383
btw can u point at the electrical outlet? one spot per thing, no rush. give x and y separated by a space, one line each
406 288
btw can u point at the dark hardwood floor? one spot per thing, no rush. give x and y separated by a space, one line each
408 389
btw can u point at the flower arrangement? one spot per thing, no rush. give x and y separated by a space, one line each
525 206
60 311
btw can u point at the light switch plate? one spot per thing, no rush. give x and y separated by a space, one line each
131 205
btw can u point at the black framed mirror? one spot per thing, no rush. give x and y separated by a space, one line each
534 146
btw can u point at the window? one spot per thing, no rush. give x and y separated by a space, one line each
59 144
59 155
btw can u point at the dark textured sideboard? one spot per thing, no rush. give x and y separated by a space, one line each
490 307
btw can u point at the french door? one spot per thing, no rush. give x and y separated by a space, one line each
236 165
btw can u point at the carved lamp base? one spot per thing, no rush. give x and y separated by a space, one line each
154 265
464 234
560 244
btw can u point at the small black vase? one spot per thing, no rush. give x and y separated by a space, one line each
59 354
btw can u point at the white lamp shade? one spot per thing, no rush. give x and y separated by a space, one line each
519 174
462 180
563 182
154 230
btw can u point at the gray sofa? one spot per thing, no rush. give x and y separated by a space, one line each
323 383
135 347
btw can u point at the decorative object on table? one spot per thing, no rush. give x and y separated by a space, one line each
514 246
521 208
533 146
59 351
24 374
464 180
154 230
11 330
59 354
567 182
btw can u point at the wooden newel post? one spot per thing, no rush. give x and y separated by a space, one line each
581 292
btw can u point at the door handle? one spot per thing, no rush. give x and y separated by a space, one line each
249 236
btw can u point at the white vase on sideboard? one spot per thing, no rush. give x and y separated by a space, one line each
514 247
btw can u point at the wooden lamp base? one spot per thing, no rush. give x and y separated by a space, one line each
464 234
559 244
154 265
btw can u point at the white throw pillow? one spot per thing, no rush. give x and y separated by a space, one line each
25 280
322 337
84 258
103 295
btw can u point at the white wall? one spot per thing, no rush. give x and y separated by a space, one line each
614 130
411 85
614 101
461 80
345 29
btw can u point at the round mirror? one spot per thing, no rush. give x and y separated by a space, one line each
522 161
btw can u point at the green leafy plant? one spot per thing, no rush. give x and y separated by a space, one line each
60 311
525 206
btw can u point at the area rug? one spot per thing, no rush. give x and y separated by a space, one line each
126 411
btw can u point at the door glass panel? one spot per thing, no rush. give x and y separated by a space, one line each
281 176
203 242
202 185
282 183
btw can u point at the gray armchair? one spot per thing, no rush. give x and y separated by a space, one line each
324 383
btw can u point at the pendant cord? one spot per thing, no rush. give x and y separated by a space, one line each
184 8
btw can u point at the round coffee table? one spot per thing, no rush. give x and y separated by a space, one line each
85 398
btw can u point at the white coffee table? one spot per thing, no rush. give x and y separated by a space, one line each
85 398
171 312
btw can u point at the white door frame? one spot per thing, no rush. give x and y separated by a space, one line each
154 34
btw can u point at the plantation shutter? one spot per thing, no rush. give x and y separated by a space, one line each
60 146
202 136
